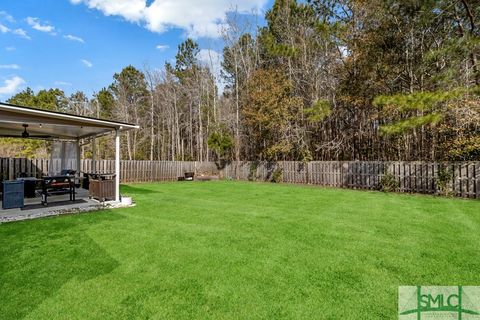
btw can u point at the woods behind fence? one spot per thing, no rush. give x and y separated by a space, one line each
460 179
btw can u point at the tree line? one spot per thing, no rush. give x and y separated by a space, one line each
322 80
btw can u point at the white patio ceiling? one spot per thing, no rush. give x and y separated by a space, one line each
44 124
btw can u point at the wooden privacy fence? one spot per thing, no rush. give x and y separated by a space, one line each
412 177
462 178
130 170
146 170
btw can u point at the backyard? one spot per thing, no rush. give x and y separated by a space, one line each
237 250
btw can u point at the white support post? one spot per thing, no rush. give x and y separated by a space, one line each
117 165
79 155
94 155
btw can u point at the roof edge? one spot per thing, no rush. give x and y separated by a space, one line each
68 115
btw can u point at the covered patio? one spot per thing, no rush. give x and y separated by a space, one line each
60 187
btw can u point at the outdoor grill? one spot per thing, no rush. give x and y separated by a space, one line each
52 185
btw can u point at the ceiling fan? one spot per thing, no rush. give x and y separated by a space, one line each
26 134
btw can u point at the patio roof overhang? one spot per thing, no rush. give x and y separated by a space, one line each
51 125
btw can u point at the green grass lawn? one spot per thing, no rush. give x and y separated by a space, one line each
237 250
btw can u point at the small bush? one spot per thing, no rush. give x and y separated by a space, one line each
389 183
277 176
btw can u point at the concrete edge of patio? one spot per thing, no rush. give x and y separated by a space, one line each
64 211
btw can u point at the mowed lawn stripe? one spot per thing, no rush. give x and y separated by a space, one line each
237 250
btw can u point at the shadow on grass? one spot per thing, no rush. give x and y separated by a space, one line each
132 190
38 257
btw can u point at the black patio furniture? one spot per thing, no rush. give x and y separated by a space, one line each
54 185
30 186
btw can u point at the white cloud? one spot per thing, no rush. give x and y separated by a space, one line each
11 86
4 29
9 66
19 32
87 63
132 10
22 33
74 38
10 48
5 16
197 18
162 47
36 24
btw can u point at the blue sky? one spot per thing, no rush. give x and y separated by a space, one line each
79 44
